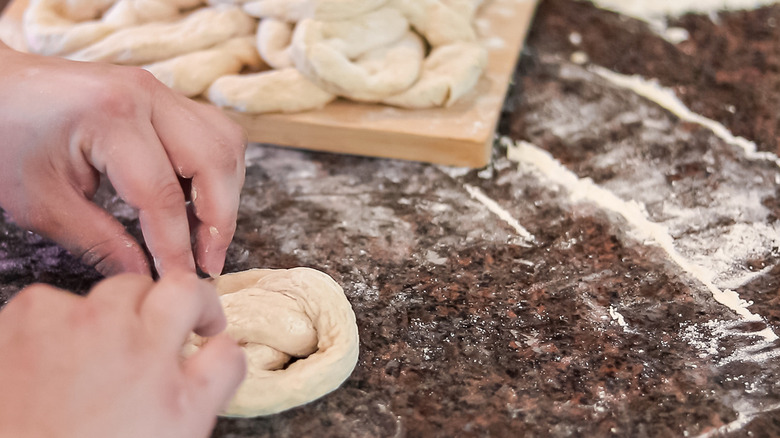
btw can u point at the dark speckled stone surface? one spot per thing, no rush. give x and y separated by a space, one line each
587 283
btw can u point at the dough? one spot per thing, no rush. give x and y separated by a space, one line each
297 10
58 27
448 73
284 91
192 73
441 22
373 76
279 314
317 50
157 41
351 38
366 58
273 42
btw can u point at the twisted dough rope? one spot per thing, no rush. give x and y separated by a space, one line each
152 42
367 58
227 58
59 27
279 314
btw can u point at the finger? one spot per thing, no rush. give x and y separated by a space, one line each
142 175
179 304
123 291
85 230
216 210
207 147
37 301
215 372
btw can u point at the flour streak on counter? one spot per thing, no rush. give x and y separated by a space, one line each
496 209
745 414
667 99
658 9
533 158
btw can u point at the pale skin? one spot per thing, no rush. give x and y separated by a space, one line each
64 123
109 364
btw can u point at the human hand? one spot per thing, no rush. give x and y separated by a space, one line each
110 365
63 123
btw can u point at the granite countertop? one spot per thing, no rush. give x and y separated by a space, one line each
614 272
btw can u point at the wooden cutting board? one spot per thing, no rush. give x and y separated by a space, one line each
461 135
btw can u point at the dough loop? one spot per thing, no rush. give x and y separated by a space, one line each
278 315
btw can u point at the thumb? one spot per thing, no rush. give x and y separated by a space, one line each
91 234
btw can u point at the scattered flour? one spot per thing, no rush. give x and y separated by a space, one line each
656 9
496 209
667 99
532 158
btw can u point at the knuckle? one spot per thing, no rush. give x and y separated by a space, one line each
119 98
166 194
115 102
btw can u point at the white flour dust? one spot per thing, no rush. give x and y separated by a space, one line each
654 9
584 189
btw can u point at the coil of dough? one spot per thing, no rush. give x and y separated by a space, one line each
278 315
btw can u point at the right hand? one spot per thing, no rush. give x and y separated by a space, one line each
110 365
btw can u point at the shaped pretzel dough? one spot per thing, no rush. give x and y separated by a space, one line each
192 73
449 72
373 76
276 314
326 51
325 10
157 41
284 91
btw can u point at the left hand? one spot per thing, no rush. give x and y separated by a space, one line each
63 123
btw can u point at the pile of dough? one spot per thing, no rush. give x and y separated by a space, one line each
298 332
303 54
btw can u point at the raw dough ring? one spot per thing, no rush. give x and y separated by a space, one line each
308 293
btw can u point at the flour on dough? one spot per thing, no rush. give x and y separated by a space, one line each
285 91
279 314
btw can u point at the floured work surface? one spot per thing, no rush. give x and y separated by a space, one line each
461 135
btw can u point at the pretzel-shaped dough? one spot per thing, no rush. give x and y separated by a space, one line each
366 58
279 314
